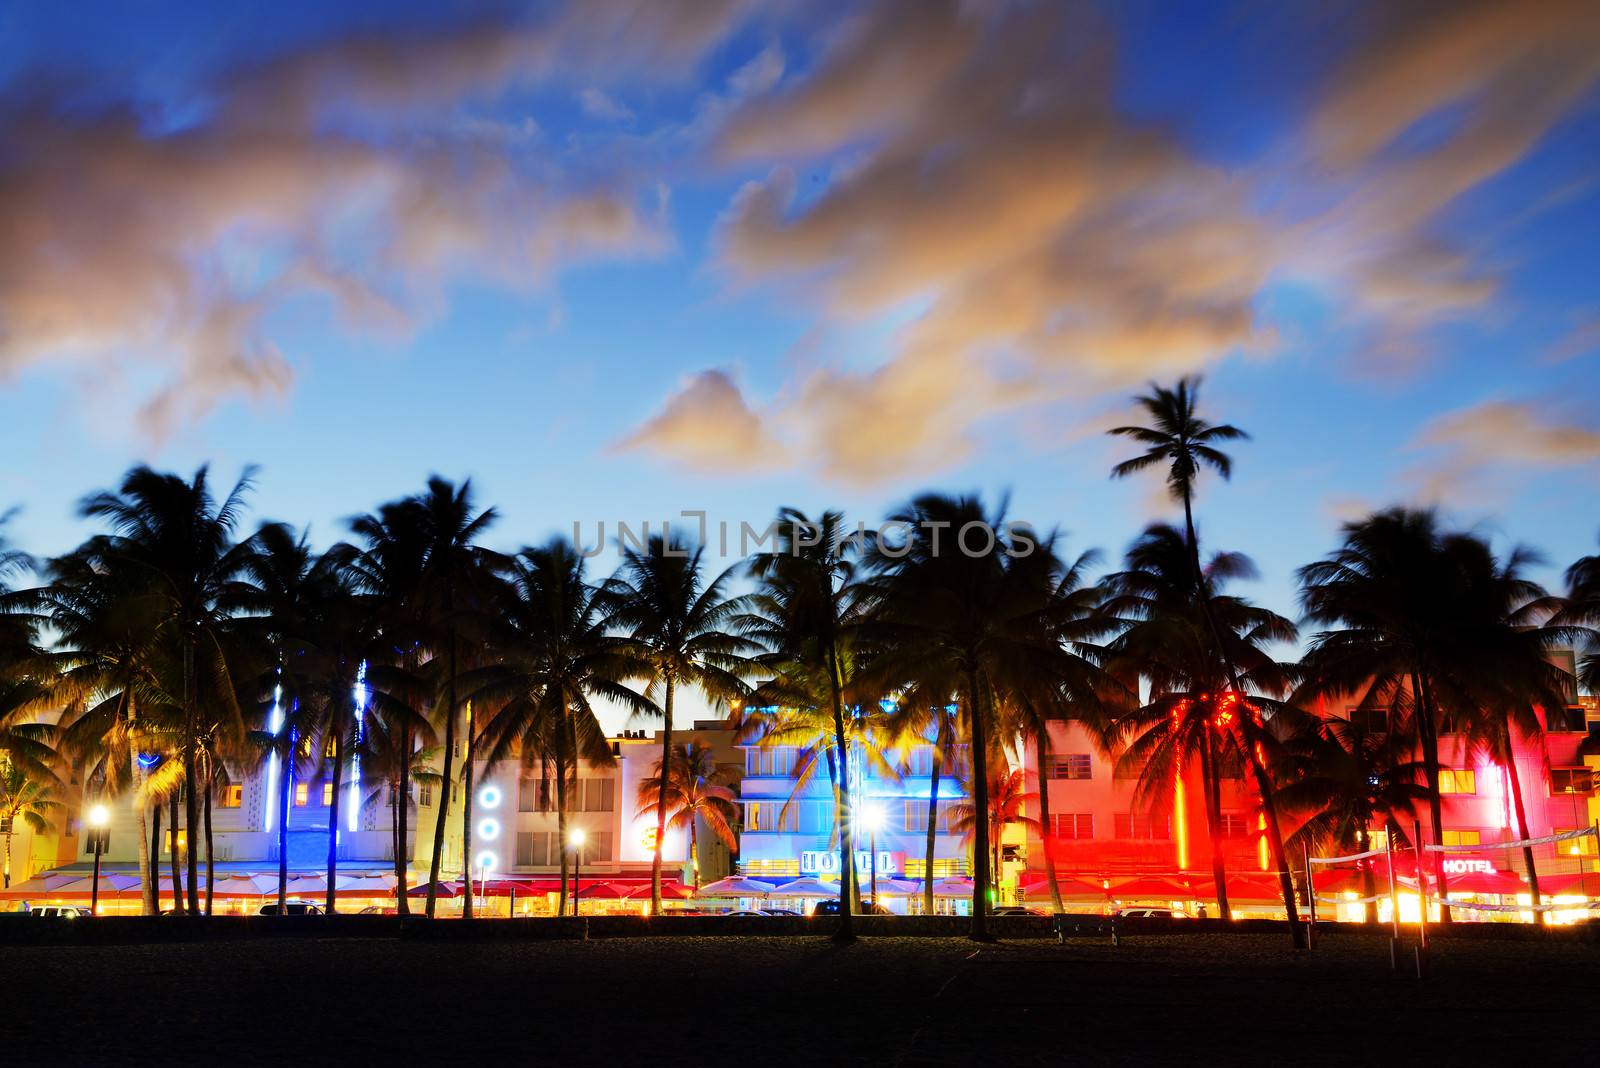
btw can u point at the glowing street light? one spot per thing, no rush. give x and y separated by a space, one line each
575 838
99 839
872 819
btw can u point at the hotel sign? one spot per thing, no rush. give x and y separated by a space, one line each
1468 866
822 862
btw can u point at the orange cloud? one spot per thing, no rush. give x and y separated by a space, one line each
707 425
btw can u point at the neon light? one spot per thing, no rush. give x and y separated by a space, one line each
1180 818
360 697
488 860
488 828
489 796
149 760
1261 843
1465 865
274 724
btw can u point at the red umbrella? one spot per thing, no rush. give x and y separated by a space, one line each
1484 882
602 889
676 891
1253 888
1568 882
1156 887
1069 885
447 888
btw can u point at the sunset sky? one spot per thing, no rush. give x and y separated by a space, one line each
619 260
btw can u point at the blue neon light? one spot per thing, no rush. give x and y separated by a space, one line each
360 697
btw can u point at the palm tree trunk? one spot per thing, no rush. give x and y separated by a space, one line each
155 852
333 820
7 882
1041 741
402 808
211 858
445 786
1522 818
191 778
178 907
1209 783
661 801
147 876
561 827
1251 733
1428 738
284 785
694 851
980 807
935 773
1369 883
467 863
842 807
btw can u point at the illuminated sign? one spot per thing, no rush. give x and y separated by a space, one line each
1468 866
647 838
821 862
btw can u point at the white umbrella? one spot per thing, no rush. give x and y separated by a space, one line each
955 886
806 888
736 886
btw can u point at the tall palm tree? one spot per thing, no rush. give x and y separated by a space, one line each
1008 801
808 613
1185 443
179 538
924 717
1583 609
680 625
973 610
553 656
697 791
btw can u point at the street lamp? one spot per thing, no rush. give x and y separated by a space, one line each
99 840
872 819
575 837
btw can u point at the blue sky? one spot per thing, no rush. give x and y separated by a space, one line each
622 260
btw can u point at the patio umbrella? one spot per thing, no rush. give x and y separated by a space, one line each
675 891
899 887
736 886
952 886
1150 887
1077 886
447 888
1485 882
806 888
602 889
1253 888
300 885
242 886
367 884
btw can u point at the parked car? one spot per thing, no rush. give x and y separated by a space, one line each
1141 912
379 910
1017 910
779 912
67 912
830 907
291 908
747 912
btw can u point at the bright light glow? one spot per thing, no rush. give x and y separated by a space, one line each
488 861
488 828
99 816
1180 818
359 696
489 796
274 724
576 837
871 818
1261 843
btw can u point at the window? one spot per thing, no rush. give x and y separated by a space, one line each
1369 720
1458 781
525 849
1233 825
776 762
301 794
232 795
1071 766
533 794
754 820
597 795
920 761
1461 838
916 818
1565 721
1073 825
1138 825
327 794
1571 781
598 847
183 842
424 794
329 747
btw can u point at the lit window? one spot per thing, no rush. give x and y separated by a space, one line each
1571 781
301 793
232 795
183 842
1462 838
425 793
327 794
1458 781
752 816
1073 825
1071 766
1139 825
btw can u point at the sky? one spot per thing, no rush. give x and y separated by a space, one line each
620 260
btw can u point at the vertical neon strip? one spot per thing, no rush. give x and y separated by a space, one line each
1180 818
1261 843
274 725
360 696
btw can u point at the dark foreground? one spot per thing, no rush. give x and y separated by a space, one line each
779 1001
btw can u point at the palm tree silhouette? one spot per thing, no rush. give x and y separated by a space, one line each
696 791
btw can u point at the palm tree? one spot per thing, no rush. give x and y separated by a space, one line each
1340 777
386 759
1583 609
26 795
696 791
552 657
679 624
1008 801
975 615
808 613
1186 443
925 717
178 538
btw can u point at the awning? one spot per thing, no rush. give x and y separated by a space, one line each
736 886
